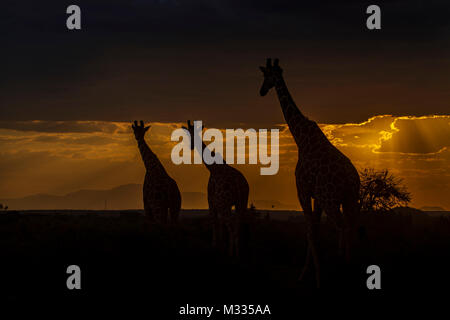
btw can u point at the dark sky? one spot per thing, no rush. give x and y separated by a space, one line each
177 59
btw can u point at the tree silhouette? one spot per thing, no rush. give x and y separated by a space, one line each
381 190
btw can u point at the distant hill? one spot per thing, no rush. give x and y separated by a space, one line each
407 211
273 205
194 200
123 197
120 198
430 208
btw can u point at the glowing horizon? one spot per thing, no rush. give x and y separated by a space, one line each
58 157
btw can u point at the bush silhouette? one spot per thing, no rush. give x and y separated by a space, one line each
381 190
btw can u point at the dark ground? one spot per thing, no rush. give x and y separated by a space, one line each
125 260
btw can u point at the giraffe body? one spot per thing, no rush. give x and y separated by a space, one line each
162 198
322 171
227 187
322 174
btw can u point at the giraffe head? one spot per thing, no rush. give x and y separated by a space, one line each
271 73
190 129
139 130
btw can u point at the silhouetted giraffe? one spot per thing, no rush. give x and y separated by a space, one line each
161 193
227 187
323 173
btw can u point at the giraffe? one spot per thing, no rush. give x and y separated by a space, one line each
161 193
322 174
227 187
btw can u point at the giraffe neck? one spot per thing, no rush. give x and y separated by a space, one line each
294 118
211 167
150 159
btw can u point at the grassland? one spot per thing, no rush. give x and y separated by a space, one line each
124 257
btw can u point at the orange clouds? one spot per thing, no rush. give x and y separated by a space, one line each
60 157
418 135
386 133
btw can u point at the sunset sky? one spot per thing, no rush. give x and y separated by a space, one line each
67 97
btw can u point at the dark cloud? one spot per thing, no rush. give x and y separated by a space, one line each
170 60
61 126
203 15
90 140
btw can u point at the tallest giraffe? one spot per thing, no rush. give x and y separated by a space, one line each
322 173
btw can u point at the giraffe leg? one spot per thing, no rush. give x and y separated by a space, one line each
171 219
347 244
160 214
216 233
164 215
214 227
335 215
228 231
307 263
223 238
312 243
231 238
235 234
220 232
311 234
242 229
237 251
341 241
316 225
315 238
350 214
174 198
148 212
174 213
243 238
